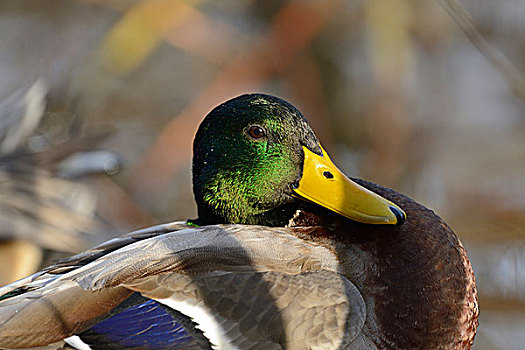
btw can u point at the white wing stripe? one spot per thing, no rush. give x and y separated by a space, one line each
205 321
77 343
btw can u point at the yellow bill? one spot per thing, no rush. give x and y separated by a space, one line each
323 183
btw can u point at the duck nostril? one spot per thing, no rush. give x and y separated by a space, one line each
328 175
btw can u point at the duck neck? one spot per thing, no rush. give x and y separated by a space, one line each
415 278
275 217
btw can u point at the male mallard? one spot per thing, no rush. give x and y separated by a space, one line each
309 277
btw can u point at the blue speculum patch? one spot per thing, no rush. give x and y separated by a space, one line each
147 325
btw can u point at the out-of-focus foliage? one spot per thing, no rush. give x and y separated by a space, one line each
41 206
395 90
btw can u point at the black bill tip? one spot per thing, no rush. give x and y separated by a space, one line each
400 216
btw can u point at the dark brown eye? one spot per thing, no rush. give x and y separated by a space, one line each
256 132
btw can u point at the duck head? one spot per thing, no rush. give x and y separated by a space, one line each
256 158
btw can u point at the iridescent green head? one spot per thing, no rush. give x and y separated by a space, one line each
247 154
251 155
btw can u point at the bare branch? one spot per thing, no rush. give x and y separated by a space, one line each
498 60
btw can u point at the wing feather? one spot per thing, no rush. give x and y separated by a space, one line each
264 310
261 285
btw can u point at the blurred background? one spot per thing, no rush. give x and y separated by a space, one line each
424 96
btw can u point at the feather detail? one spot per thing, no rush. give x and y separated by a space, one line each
262 269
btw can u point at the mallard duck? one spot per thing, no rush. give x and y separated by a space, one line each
286 253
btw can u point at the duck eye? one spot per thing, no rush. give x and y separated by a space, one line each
256 132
